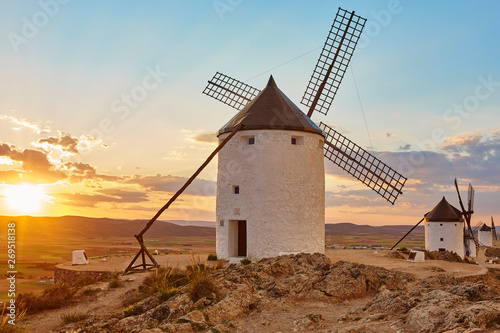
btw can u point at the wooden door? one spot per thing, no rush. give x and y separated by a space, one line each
242 238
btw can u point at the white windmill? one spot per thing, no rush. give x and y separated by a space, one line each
270 183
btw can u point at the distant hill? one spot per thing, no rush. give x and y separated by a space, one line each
209 224
77 226
356 229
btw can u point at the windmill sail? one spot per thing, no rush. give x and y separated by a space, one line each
230 91
333 61
362 165
493 229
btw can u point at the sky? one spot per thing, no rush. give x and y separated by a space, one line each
102 112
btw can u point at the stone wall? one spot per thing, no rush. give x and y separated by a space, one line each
71 277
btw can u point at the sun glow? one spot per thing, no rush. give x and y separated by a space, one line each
25 198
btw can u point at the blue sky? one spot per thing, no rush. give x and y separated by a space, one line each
427 77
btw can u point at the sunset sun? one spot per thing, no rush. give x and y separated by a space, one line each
25 198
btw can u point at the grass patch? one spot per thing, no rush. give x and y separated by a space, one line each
73 318
85 281
53 297
164 280
5 327
133 311
203 287
437 269
246 261
114 283
90 292
133 298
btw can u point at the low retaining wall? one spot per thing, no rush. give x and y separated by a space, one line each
71 277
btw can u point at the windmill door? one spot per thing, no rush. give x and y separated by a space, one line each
242 238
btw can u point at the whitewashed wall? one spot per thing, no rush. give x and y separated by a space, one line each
282 193
451 233
485 238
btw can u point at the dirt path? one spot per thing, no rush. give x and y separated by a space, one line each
106 301
420 269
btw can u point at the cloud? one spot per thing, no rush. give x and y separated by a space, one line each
354 198
405 146
124 196
172 184
462 142
111 195
64 142
35 165
68 144
205 138
28 123
471 157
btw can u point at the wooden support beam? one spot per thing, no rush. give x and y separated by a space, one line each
143 252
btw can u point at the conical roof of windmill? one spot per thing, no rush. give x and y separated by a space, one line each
444 212
485 228
271 109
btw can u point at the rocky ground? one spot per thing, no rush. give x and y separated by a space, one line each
309 293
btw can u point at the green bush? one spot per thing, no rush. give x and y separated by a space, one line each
246 261
212 257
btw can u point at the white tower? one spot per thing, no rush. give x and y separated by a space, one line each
271 181
485 236
444 229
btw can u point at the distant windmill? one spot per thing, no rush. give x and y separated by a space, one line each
485 234
244 186
453 215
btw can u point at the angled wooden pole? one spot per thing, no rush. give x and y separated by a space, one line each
144 251
399 241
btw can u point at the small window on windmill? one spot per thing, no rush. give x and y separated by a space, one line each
320 144
441 239
221 223
440 224
247 140
297 140
236 189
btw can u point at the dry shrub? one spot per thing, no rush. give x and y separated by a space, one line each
53 297
203 287
132 298
85 281
164 280
114 283
5 327
73 317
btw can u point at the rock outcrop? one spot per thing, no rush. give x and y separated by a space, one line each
394 301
